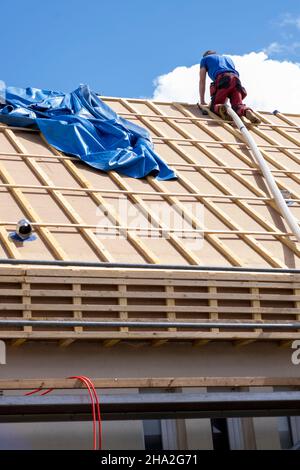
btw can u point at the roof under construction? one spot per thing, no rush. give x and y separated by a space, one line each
219 192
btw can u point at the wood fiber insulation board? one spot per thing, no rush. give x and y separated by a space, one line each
197 140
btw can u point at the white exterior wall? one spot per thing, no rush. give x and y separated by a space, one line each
42 360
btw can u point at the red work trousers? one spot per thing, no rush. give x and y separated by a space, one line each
228 85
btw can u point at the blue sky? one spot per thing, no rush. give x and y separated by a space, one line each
119 47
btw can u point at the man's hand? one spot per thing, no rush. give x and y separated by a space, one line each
202 110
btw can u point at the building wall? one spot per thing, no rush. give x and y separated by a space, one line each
42 360
127 360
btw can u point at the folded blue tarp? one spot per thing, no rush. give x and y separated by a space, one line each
81 124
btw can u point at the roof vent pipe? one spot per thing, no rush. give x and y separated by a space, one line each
24 232
24 229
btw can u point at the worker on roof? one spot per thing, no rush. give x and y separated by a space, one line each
225 84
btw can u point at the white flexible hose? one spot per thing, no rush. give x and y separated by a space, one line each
281 203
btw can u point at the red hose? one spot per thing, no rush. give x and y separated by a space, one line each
47 391
33 392
88 386
98 412
94 398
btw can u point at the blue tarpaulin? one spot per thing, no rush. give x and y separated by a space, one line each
81 124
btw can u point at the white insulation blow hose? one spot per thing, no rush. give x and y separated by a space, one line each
281 203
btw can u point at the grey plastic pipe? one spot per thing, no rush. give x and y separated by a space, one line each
282 206
157 324
167 267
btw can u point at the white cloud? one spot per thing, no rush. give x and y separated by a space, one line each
278 48
271 84
290 20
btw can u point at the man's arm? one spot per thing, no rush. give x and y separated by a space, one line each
202 82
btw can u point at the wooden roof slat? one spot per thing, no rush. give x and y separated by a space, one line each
11 249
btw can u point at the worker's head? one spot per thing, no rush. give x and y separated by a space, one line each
209 52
